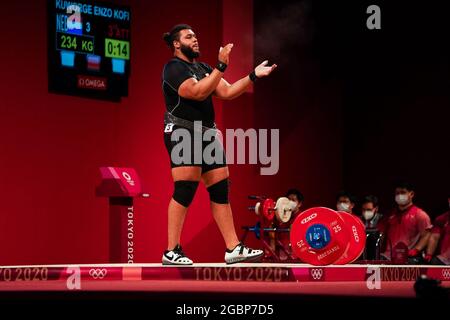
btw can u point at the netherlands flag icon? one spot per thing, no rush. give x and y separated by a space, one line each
93 62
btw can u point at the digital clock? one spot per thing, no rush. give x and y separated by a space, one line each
117 49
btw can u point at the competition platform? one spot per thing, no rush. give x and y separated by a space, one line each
334 282
257 290
262 278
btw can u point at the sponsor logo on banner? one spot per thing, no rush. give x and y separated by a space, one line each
93 83
98 273
401 273
316 274
266 274
130 235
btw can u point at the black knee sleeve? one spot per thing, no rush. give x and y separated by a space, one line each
184 192
218 192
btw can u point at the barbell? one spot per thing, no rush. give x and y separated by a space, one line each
322 236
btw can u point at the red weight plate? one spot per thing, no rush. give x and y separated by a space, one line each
268 207
319 236
357 232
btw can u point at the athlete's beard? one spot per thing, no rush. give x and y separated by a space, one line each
189 53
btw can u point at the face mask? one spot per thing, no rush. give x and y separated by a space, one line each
368 214
402 199
342 206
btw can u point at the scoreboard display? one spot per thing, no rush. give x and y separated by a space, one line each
89 45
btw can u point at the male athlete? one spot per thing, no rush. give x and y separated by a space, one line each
188 86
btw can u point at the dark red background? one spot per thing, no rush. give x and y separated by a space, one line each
340 127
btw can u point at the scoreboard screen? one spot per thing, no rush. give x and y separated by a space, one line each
89 48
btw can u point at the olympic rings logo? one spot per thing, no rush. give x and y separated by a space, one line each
446 274
98 273
316 274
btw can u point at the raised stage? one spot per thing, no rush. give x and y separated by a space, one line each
354 279
237 290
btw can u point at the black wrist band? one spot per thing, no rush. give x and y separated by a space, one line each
253 76
221 66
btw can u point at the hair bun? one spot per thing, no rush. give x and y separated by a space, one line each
166 37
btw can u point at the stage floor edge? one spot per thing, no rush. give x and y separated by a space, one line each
270 278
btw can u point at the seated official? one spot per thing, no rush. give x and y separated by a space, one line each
345 201
370 214
370 217
407 225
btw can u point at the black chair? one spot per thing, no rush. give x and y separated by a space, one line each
374 245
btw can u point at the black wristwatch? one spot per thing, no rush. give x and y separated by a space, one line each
221 66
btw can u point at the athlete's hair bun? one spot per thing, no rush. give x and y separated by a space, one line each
167 37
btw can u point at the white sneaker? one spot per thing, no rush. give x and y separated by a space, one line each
175 257
242 253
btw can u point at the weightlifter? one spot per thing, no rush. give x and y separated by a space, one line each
188 86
